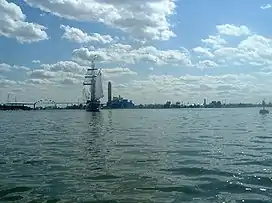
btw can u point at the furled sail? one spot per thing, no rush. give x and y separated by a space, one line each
88 77
98 86
86 93
93 79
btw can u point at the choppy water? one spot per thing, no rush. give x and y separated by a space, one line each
182 155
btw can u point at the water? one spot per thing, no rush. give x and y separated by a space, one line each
175 155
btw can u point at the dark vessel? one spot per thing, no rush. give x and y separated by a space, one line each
93 106
263 110
93 80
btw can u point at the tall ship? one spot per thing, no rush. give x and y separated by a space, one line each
263 110
93 90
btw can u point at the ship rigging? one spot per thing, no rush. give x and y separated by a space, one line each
94 91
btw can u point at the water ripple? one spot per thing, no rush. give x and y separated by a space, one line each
165 156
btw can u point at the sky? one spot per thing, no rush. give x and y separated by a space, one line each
151 50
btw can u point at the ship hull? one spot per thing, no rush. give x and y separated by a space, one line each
93 106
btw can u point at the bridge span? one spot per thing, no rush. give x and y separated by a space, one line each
43 102
32 103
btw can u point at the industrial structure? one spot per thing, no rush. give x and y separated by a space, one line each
109 92
117 102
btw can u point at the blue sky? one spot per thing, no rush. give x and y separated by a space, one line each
183 50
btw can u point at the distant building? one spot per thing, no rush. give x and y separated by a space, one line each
109 92
215 104
205 102
117 102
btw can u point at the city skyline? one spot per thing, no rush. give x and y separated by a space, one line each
151 51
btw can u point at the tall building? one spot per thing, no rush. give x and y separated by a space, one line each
205 102
109 92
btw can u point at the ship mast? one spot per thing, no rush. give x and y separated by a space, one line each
93 81
92 76
263 103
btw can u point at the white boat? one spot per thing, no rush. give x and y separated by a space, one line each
94 91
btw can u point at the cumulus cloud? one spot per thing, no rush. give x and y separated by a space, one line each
218 41
63 86
127 66
4 68
36 81
255 50
142 19
36 61
267 6
77 35
190 88
201 51
70 73
7 68
41 74
64 66
206 64
110 73
5 83
233 30
214 42
125 54
60 81
58 77
252 50
13 24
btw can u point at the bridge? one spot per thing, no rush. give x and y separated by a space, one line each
43 102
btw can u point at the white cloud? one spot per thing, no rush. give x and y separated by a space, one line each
206 64
77 35
69 73
252 50
65 86
110 73
4 68
218 41
4 83
203 52
13 24
214 42
64 66
7 68
63 80
142 19
255 50
69 81
52 77
267 6
189 88
233 30
120 53
36 61
38 81
41 74
257 43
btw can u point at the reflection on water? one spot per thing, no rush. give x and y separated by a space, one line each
196 155
110 117
94 118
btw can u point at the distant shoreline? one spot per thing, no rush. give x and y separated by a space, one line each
148 106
